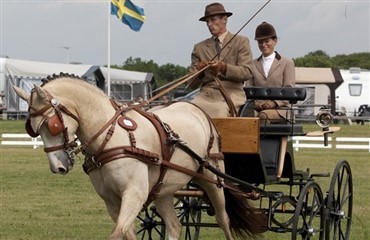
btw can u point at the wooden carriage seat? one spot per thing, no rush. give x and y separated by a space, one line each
274 158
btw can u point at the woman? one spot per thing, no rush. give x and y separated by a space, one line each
271 70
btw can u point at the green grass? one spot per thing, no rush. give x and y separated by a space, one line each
36 204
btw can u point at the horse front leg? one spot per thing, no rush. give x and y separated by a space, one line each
128 182
131 204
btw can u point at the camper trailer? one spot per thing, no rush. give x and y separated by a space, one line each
353 92
344 92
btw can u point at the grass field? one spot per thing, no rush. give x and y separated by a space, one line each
36 204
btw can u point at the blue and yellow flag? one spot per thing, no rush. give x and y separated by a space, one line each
128 13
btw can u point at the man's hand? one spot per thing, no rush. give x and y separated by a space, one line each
218 67
201 65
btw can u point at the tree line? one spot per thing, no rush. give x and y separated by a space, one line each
320 58
169 72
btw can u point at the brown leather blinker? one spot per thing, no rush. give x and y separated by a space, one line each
29 129
55 125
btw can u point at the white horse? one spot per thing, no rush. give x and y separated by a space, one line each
125 152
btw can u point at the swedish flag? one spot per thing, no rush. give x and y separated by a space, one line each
128 13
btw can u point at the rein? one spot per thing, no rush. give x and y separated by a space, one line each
229 102
112 122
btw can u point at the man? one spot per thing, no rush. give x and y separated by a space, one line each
232 64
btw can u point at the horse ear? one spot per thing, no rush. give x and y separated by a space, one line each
21 93
40 92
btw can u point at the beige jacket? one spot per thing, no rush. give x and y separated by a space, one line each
238 57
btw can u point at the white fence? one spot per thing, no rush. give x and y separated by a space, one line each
310 142
346 143
20 139
338 143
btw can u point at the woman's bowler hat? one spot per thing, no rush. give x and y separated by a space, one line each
214 9
264 31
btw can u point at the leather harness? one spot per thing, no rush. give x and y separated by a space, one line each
169 140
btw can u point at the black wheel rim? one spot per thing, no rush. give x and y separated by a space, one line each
339 203
308 220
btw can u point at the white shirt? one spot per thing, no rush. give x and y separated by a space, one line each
267 62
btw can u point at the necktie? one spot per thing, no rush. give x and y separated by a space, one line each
218 47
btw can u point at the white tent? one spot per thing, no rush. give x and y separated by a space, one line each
32 69
125 85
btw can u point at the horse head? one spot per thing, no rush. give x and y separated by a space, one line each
49 117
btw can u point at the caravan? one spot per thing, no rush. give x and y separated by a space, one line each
354 92
344 92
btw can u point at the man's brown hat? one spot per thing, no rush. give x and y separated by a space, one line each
214 9
265 30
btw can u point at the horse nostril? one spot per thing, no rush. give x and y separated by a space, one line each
62 170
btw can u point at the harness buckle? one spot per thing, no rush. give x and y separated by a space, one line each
96 163
71 154
54 102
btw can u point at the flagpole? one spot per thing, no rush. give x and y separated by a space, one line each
109 12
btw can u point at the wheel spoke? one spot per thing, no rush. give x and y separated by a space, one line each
345 200
341 233
345 188
335 229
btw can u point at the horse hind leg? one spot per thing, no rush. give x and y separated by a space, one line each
165 208
217 198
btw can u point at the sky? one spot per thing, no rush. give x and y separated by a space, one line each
77 30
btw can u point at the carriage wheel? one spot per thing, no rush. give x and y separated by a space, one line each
283 211
339 203
308 222
151 225
189 212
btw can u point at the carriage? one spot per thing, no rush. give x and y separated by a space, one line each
257 156
254 156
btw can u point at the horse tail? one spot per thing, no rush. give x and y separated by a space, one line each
245 220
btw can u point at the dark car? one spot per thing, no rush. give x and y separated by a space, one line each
364 113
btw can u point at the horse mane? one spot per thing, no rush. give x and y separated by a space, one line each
69 77
56 76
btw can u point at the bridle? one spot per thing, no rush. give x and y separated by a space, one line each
52 115
55 124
